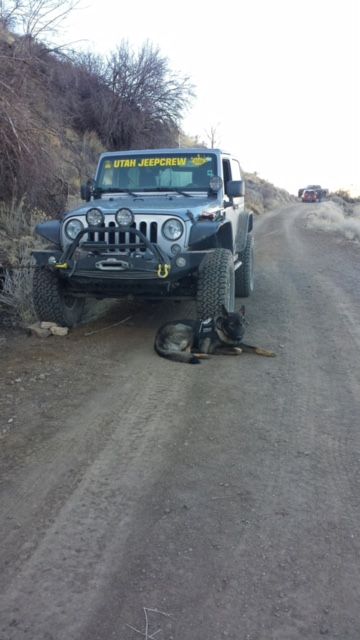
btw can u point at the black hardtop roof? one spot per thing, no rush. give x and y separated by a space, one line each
174 150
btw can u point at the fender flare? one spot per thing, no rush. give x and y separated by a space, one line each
50 231
246 225
204 235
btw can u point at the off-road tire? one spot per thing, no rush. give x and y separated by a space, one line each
216 284
51 301
244 275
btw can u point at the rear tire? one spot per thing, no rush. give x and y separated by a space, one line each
216 284
244 275
52 302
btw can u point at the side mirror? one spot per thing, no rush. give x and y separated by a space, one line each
86 191
235 188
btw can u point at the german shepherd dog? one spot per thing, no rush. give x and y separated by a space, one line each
190 341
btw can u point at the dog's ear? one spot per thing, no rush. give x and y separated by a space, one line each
224 310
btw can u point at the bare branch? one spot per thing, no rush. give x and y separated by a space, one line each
35 18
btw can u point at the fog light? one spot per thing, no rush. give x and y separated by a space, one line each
216 183
180 262
94 217
175 249
124 217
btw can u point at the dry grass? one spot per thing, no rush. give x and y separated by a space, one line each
17 221
147 633
17 242
13 220
16 292
331 217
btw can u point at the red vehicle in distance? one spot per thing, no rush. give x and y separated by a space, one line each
321 193
309 195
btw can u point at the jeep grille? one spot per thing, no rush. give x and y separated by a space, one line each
148 229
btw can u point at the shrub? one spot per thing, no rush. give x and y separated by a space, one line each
17 242
16 294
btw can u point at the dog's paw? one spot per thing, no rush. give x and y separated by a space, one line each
202 356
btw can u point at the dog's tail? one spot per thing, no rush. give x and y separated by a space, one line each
177 356
248 348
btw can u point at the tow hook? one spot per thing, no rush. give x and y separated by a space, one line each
163 270
57 265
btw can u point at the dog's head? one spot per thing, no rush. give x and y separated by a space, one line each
232 324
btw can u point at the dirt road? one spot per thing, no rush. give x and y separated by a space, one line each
143 498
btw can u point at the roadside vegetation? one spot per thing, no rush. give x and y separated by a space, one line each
58 110
337 215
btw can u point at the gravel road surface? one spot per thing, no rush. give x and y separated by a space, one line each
141 498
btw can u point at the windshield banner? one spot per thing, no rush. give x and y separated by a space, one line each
151 161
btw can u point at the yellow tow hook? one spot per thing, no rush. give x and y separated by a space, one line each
163 270
61 265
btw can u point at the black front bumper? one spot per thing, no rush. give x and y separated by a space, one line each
95 268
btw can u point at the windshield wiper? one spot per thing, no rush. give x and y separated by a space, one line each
183 193
171 190
100 190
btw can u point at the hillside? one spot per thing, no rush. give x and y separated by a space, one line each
58 111
261 196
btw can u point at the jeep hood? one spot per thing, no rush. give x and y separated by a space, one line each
166 204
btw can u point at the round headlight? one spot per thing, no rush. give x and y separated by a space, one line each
124 217
172 229
72 228
216 183
94 217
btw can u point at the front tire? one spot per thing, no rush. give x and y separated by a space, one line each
52 302
216 284
244 275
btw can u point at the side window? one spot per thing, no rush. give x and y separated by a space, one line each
226 172
235 170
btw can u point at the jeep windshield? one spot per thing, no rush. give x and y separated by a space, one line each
177 173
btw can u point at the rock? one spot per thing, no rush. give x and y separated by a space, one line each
46 329
36 330
59 331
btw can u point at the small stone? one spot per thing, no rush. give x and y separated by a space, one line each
38 331
324 630
59 331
